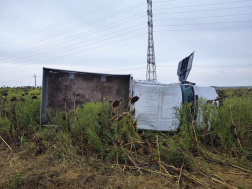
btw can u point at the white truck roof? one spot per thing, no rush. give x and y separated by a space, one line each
155 107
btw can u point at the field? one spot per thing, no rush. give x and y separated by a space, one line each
97 146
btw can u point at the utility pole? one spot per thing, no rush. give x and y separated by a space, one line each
35 79
151 74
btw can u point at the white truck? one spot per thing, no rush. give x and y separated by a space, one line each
154 110
155 107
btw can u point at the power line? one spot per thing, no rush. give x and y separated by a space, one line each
105 39
75 19
188 18
123 12
87 44
80 35
159 66
204 10
77 52
64 41
53 45
20 78
120 41
164 1
66 21
205 4
207 29
83 25
241 21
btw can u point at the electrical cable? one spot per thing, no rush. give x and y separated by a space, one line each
208 29
65 40
16 54
241 21
20 78
205 4
161 66
75 19
123 40
66 21
120 41
153 9
85 45
2 64
158 66
230 8
83 25
77 52
187 18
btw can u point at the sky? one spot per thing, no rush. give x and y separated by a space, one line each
111 37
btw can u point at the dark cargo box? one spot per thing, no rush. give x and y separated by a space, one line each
92 87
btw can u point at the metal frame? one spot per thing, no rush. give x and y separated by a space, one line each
151 74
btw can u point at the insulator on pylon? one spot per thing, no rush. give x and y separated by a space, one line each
149 2
149 12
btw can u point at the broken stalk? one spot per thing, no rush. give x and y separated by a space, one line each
66 113
158 153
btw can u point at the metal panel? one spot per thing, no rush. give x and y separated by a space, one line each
71 76
103 78
170 97
167 111
147 105
184 68
60 83
208 93
154 110
44 96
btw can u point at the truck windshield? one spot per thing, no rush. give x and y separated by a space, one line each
187 94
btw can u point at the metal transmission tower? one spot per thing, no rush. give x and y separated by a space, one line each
151 74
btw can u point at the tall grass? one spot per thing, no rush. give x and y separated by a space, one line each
225 124
19 113
92 128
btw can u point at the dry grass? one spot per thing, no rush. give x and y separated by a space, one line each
24 169
44 172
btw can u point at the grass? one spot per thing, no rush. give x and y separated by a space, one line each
90 147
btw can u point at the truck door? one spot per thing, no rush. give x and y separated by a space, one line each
146 108
184 68
169 98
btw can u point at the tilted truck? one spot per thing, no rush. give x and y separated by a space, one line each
154 109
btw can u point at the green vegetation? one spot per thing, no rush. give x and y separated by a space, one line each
94 145
225 123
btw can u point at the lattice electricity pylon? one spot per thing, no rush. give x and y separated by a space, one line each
151 74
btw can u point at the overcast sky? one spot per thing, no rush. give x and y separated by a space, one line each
110 36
